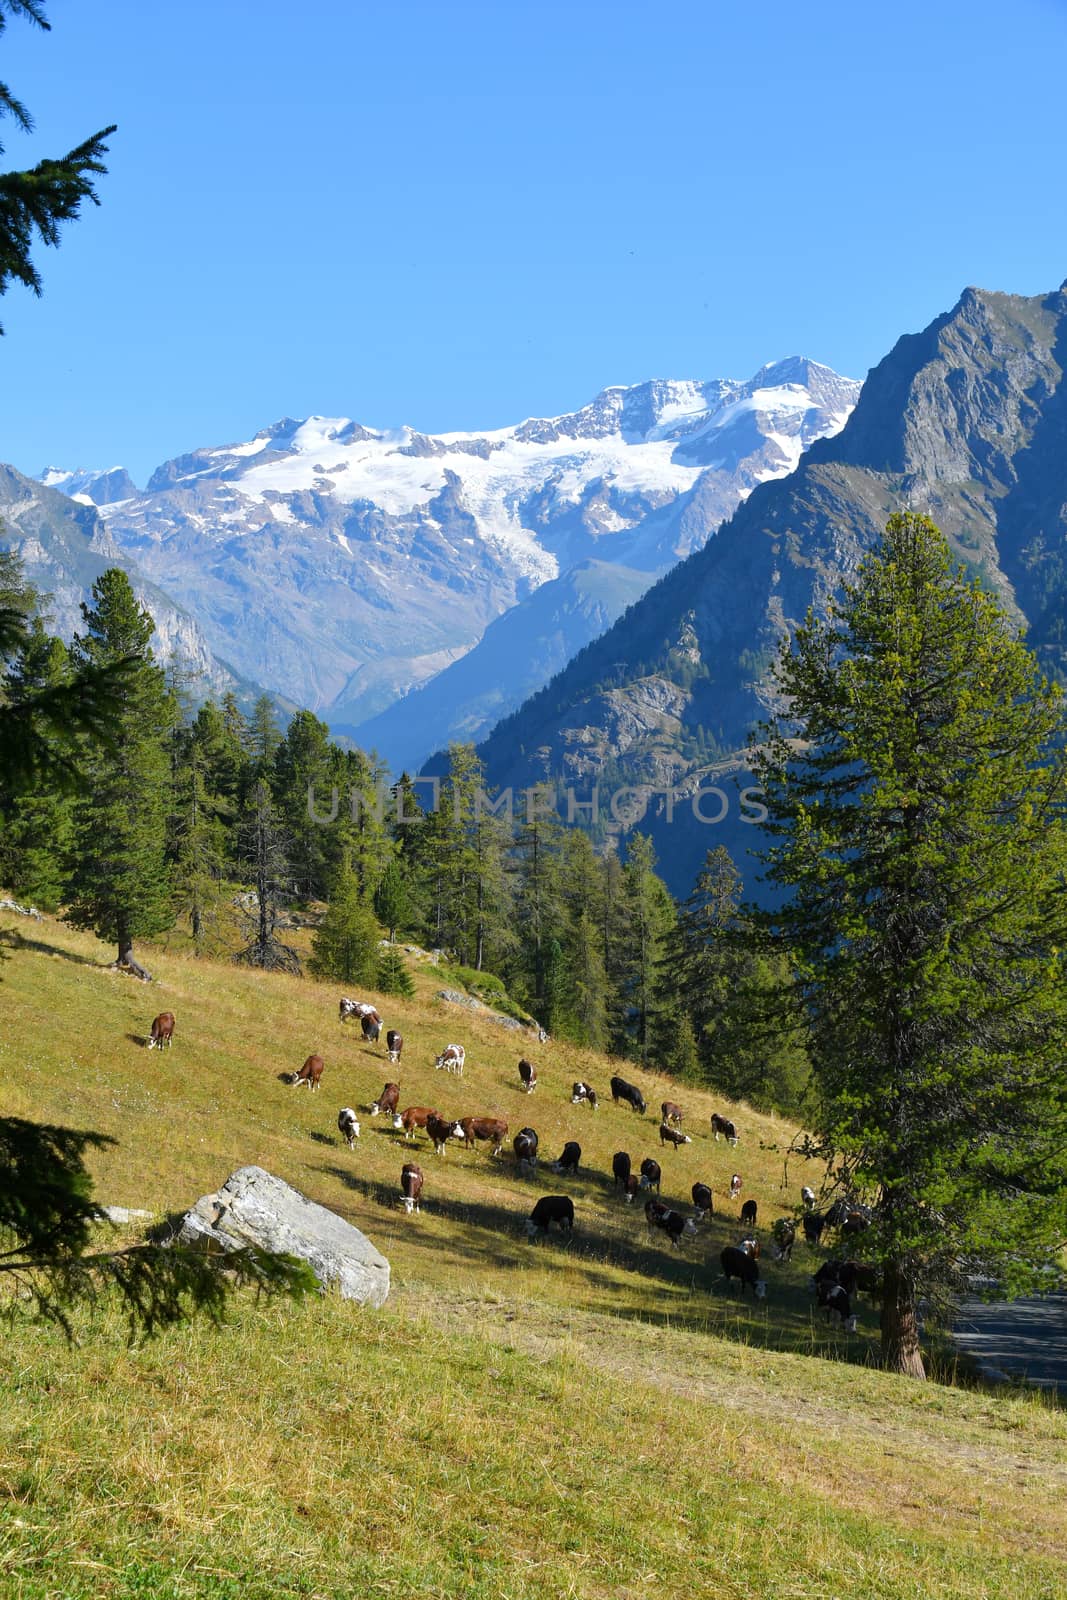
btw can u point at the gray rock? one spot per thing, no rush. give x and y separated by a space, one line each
255 1208
124 1214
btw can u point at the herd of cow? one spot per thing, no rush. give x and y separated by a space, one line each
835 1283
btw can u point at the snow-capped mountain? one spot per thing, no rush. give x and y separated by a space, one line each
345 565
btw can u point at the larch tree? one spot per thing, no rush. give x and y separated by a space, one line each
916 794
119 884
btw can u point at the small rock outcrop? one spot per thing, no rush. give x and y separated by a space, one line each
255 1208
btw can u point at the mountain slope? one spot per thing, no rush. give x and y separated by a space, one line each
347 565
966 421
65 547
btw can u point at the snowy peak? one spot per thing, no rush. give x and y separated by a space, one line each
90 486
346 565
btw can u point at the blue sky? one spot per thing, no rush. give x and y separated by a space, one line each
459 214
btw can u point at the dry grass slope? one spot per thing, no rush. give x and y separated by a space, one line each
591 1418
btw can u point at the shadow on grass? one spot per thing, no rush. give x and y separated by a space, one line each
18 941
138 1038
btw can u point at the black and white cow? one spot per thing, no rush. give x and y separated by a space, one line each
348 1126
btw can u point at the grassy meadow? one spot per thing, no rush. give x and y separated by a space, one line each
591 1417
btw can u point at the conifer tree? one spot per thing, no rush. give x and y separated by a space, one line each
119 884
35 824
197 829
392 900
393 976
919 839
345 946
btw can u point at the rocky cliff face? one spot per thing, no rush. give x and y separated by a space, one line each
346 566
966 421
65 547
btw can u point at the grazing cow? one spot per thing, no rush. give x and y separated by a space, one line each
702 1201
357 1008
451 1059
670 1112
528 1075
650 1174
387 1101
525 1146
813 1223
493 1130
414 1117
849 1274
748 1214
621 1090
394 1043
348 1124
162 1031
371 1028
411 1181
310 1072
439 1130
673 1224
735 1186
854 1222
570 1159
723 1126
750 1245
736 1264
669 1135
784 1232
835 1299
586 1092
558 1208
630 1187
620 1168
807 1195
542 1036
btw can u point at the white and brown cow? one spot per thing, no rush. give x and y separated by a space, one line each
439 1130
162 1031
671 1113
310 1073
411 1181
586 1092
451 1059
722 1127
669 1135
356 1008
528 1075
387 1101
413 1117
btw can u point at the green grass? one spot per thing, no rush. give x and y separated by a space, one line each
595 1418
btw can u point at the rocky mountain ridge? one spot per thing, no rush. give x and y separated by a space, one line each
346 566
965 421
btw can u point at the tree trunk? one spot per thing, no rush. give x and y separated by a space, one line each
901 1349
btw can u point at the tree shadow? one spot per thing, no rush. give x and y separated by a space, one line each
18 942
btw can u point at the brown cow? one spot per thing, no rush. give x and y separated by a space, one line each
414 1117
439 1130
494 1130
411 1181
670 1112
387 1101
748 1214
722 1126
528 1075
668 1135
162 1030
310 1072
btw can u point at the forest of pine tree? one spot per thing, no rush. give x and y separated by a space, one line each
186 811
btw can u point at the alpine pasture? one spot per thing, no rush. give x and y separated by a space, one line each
596 1415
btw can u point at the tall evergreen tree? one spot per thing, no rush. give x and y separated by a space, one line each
197 831
345 946
35 824
651 922
919 837
119 884
263 851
